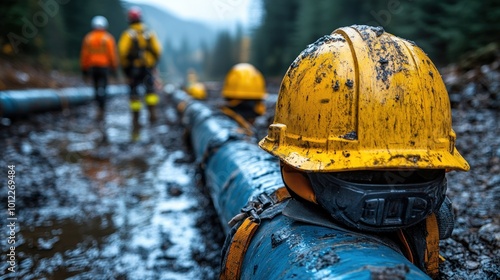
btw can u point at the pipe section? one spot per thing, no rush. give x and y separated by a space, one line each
237 171
15 103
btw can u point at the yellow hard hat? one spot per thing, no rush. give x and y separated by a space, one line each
244 81
197 91
363 99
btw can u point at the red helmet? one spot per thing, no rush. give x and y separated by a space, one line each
134 14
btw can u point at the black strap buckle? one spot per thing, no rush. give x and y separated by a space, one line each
253 209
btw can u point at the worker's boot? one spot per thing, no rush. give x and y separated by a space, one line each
152 99
152 114
100 114
135 107
135 120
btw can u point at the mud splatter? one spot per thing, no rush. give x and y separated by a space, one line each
397 272
279 237
311 50
336 86
353 135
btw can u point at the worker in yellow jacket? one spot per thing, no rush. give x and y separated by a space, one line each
244 91
140 51
97 58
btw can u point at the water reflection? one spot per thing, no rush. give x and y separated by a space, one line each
104 207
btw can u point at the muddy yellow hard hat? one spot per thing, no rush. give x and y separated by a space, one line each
244 81
362 99
197 91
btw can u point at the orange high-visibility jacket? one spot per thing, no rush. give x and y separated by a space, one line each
98 50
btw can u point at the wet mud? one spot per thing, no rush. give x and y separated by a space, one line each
95 200
473 251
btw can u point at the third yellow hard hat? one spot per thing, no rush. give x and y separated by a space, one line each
197 90
244 81
360 99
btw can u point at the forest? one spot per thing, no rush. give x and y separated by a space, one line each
446 29
50 31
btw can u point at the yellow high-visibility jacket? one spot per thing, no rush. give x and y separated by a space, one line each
139 46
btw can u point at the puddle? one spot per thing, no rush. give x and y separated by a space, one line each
97 205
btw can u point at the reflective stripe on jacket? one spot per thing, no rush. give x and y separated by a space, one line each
147 42
98 50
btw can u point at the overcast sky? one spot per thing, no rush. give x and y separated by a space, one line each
218 12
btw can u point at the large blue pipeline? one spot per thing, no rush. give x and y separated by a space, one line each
237 171
18 103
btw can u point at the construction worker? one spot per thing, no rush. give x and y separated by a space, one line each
192 77
197 91
140 51
244 91
98 57
193 87
363 129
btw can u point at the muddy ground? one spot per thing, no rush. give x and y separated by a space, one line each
96 201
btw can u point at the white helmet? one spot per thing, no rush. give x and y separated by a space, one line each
99 22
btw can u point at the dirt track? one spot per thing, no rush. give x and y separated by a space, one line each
95 201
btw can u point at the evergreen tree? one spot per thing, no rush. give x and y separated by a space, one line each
222 58
50 32
273 39
18 33
478 25
77 17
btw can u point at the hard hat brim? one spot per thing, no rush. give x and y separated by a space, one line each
319 160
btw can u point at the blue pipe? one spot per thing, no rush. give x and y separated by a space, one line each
284 249
25 102
237 171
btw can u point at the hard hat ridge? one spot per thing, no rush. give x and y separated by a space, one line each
366 82
99 22
134 14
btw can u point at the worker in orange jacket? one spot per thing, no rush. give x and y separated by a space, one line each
98 57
